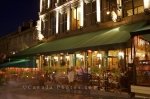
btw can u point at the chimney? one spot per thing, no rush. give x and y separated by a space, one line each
31 23
19 29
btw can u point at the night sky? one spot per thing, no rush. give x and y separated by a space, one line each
14 12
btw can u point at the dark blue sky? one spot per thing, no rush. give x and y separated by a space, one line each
14 12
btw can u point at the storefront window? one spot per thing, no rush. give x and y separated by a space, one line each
142 48
80 59
116 59
113 59
62 60
95 58
142 61
54 61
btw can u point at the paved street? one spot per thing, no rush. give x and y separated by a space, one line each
17 91
20 90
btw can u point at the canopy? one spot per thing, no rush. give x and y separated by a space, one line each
143 30
22 63
146 37
100 38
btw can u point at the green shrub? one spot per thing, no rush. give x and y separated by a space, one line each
95 70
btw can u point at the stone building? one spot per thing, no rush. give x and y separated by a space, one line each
92 29
23 38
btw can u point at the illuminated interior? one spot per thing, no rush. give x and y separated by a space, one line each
142 60
76 20
142 48
147 4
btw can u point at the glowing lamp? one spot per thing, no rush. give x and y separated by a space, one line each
108 12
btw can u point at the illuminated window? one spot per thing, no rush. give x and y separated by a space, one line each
132 7
113 60
137 10
142 47
76 18
80 59
77 15
130 12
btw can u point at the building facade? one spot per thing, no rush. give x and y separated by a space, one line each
58 17
65 18
22 39
86 23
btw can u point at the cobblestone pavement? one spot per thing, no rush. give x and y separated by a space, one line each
21 90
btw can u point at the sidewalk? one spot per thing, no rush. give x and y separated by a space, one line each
80 90
24 90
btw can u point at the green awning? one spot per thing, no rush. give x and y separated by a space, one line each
146 37
145 28
142 30
106 37
22 63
